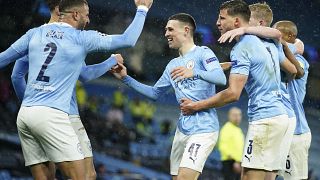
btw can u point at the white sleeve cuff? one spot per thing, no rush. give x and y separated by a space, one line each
143 7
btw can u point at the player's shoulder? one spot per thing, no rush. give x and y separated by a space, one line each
31 31
173 61
204 51
248 38
203 48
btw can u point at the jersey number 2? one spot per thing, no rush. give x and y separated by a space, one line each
53 51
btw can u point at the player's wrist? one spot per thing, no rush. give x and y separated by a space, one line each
125 78
197 106
143 7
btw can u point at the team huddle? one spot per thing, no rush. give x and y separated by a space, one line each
266 61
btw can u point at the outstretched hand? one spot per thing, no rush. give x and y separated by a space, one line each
119 58
231 35
147 3
119 71
187 106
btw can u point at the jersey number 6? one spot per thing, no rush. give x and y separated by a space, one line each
53 51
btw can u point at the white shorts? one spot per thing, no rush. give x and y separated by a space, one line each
297 162
263 146
46 134
287 142
191 151
82 135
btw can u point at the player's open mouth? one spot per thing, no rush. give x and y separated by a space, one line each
170 39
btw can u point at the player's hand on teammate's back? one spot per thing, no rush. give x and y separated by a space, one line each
146 3
231 35
180 73
120 71
187 106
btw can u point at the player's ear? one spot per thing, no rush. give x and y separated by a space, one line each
237 22
56 11
186 30
261 23
76 15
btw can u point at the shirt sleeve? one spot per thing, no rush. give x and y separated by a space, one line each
213 72
96 41
240 61
152 92
17 50
90 72
19 72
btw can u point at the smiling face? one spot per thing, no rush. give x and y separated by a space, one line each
225 22
175 32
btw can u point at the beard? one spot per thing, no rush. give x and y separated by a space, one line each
82 24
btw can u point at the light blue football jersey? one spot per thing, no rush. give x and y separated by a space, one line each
194 89
251 57
297 91
56 54
276 51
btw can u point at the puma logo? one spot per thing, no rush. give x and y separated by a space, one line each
288 172
193 159
248 157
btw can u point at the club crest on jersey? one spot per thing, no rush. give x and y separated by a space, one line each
190 64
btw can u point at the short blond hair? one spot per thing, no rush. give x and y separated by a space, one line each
262 11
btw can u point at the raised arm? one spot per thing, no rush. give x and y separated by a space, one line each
293 60
95 41
19 72
132 33
260 31
152 92
91 72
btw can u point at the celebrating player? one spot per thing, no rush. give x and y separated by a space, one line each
255 69
297 162
20 69
192 75
56 54
261 15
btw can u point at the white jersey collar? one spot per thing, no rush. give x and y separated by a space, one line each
59 24
190 50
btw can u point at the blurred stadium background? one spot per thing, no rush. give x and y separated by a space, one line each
131 136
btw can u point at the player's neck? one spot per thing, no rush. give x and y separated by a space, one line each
68 21
243 24
54 18
186 47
